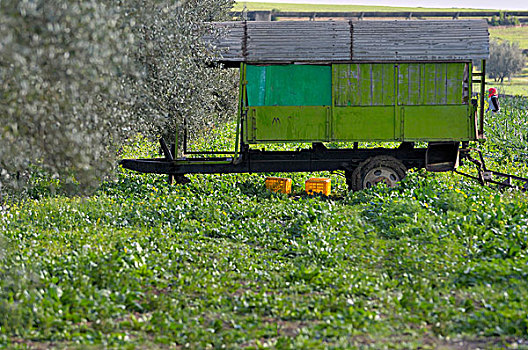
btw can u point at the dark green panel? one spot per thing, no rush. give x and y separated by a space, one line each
288 124
256 86
441 83
289 85
436 123
455 76
364 123
403 84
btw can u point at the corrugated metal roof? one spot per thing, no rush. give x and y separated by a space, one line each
420 40
298 41
341 41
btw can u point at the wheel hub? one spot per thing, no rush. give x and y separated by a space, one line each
381 174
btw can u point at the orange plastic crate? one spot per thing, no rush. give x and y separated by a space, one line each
279 184
318 185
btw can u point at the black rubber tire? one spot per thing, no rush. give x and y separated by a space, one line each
358 175
348 179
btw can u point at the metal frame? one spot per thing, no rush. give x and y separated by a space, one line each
485 176
316 158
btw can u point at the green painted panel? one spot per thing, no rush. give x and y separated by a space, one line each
403 84
436 123
346 84
364 123
288 124
289 85
441 83
363 84
377 84
455 75
429 96
388 89
430 84
415 84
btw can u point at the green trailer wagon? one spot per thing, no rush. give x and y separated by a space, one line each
321 82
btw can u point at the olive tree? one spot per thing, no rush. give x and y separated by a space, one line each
506 59
63 107
180 84
77 78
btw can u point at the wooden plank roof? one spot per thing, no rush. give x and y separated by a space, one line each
361 41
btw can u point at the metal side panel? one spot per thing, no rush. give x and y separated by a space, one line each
289 85
288 124
363 84
364 123
442 123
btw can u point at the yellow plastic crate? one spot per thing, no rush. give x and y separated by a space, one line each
279 184
318 185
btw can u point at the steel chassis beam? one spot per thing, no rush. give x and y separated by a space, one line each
317 158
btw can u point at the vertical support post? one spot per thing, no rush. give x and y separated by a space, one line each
185 135
173 150
241 107
482 93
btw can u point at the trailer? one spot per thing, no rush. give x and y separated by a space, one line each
321 82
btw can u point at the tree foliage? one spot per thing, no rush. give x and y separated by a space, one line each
62 106
505 60
78 78
504 20
179 82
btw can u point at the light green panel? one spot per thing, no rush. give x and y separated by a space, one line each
289 85
363 123
288 124
436 123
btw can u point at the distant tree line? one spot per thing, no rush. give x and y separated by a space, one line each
504 20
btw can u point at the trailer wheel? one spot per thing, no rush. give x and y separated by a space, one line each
375 170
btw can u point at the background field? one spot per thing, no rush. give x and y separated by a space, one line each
518 85
256 6
439 262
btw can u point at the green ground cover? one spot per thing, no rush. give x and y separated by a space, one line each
438 262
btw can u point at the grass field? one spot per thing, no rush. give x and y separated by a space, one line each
438 262
518 85
263 6
513 34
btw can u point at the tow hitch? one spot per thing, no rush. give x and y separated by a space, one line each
486 176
